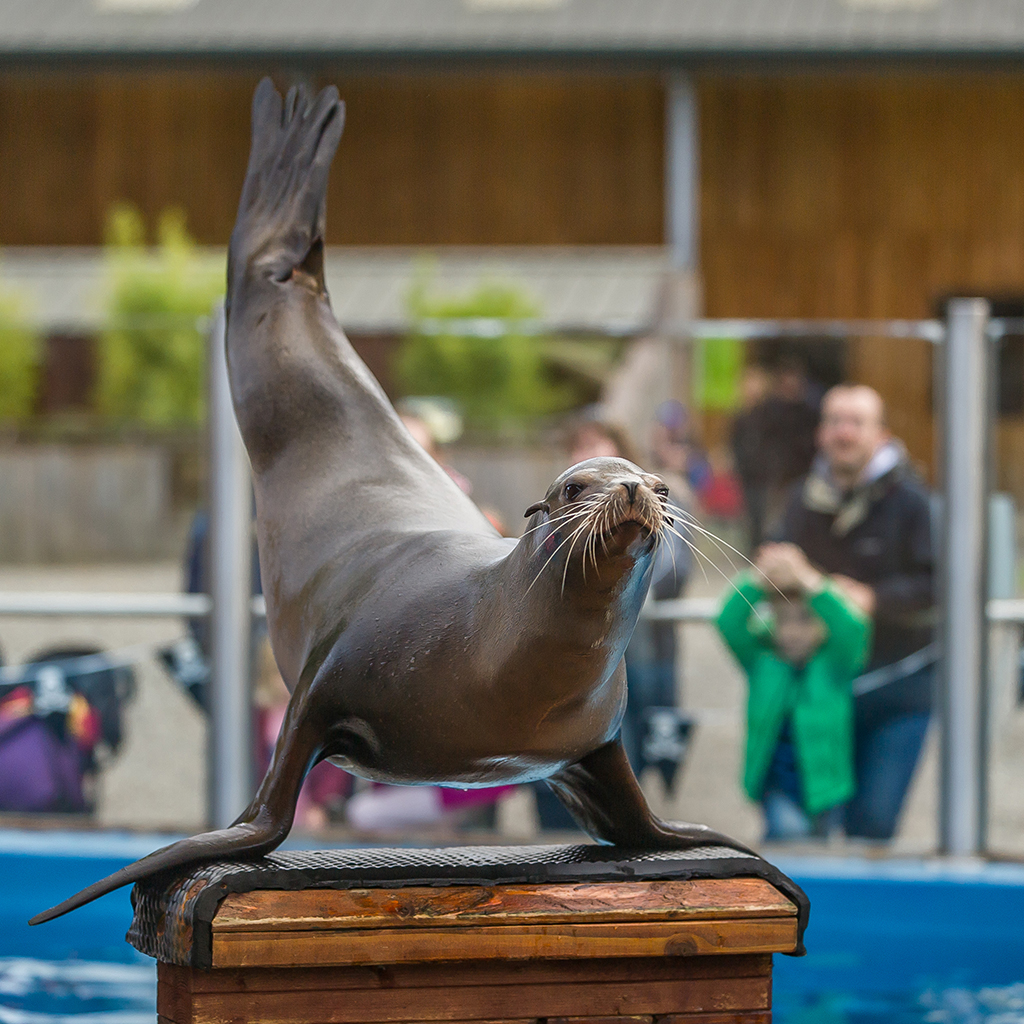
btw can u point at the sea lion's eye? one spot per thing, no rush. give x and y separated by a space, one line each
573 490
662 491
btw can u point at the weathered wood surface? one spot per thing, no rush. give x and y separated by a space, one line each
381 926
384 946
446 975
430 906
764 1017
717 990
646 952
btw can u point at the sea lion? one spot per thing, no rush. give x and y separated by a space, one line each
420 646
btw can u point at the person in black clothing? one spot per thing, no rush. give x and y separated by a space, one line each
772 441
863 516
746 439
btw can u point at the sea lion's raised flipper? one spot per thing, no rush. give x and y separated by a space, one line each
281 213
601 792
262 827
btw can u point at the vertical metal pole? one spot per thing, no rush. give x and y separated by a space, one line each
230 736
963 670
680 298
682 173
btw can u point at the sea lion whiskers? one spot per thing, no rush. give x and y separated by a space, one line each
692 523
592 543
671 548
570 513
610 513
591 521
565 568
701 555
572 536
600 512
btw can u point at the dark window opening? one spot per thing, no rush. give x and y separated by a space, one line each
1010 360
1009 382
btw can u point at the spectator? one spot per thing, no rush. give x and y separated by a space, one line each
776 445
417 420
428 424
676 449
862 516
799 746
746 439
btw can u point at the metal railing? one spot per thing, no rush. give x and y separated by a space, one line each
104 604
963 388
50 604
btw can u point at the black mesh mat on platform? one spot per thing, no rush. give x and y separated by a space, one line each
174 911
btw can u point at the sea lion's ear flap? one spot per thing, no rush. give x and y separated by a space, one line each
537 506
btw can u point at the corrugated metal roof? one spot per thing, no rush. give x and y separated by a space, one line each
386 28
606 289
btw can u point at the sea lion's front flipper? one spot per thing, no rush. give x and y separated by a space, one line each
259 829
601 792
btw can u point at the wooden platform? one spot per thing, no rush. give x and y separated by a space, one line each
695 950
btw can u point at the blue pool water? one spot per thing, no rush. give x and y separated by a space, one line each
906 941
890 942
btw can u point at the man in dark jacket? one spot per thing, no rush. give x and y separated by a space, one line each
862 515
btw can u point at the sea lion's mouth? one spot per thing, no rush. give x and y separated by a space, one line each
627 529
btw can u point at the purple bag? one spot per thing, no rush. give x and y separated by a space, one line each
39 771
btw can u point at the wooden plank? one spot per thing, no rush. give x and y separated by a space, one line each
600 1020
482 1002
314 909
389 945
747 1017
446 975
174 992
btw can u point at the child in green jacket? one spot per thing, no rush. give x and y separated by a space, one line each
800 665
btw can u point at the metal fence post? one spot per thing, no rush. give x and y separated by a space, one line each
230 730
682 172
966 439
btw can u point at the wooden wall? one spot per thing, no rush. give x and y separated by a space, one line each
849 195
444 159
864 196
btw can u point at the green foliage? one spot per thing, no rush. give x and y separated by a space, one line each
20 361
717 369
500 381
152 357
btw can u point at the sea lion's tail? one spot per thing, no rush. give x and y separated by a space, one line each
261 827
246 839
281 214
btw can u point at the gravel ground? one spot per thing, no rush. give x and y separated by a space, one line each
158 780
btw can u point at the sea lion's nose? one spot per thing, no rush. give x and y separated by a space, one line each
631 486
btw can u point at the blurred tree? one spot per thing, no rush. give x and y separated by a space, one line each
152 356
20 361
480 351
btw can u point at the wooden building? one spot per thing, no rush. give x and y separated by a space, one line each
856 158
